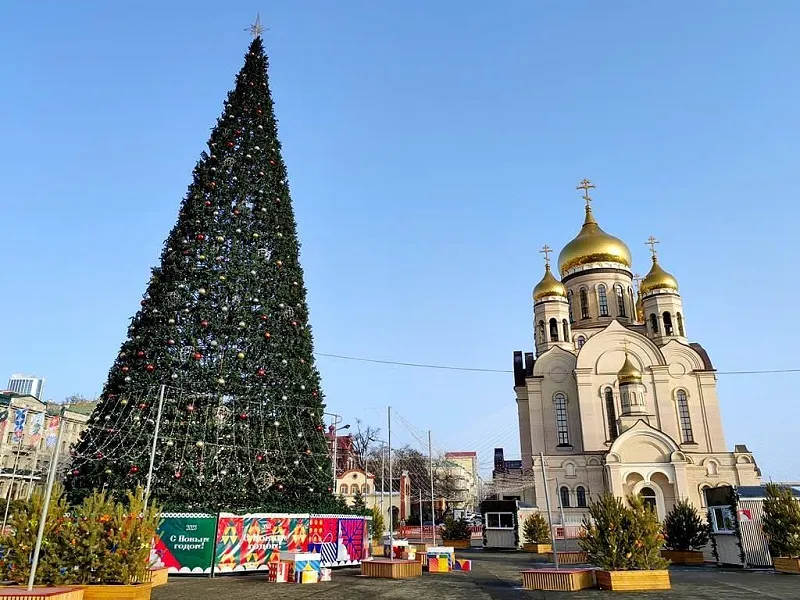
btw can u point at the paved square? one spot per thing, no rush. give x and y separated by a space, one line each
495 576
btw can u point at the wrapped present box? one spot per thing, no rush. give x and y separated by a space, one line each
462 564
438 564
303 562
279 572
443 552
400 546
325 574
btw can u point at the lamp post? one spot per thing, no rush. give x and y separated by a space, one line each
335 429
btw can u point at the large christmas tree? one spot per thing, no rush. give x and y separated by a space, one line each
223 331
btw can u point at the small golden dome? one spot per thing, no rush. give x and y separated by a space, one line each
629 373
658 279
548 286
593 245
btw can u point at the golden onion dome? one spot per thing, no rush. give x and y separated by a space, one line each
658 279
548 286
629 373
593 245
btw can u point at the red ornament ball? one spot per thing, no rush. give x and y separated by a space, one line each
272 162
267 334
294 323
280 486
230 144
208 202
261 173
243 417
236 211
75 472
178 475
186 253
264 317
150 368
190 408
142 405
171 342
140 354
261 372
319 427
260 458
204 323
200 237
197 356
99 455
134 469
125 369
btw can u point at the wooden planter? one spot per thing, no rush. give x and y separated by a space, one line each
561 580
377 549
457 543
383 568
138 591
683 557
787 565
159 576
569 558
15 592
537 548
633 580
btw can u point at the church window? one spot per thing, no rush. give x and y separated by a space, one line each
620 301
569 303
667 323
679 317
581 494
649 497
611 414
569 469
581 341
565 327
653 323
584 296
541 332
553 330
683 414
712 468
564 493
633 302
602 300
562 427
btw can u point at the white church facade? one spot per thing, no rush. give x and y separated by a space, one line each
616 398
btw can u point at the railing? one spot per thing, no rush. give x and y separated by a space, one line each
426 532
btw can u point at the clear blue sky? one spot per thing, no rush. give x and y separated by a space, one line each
433 148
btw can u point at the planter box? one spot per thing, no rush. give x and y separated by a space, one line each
633 580
384 568
138 591
569 558
561 580
457 543
14 592
537 548
787 565
683 557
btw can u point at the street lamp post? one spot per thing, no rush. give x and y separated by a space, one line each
335 430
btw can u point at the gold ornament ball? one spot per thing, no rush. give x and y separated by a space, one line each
240 356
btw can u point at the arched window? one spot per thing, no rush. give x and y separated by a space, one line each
569 469
667 323
569 303
580 491
649 497
584 296
602 300
633 302
564 492
611 413
581 341
553 330
712 468
620 293
354 489
565 327
680 325
683 414
541 332
560 401
653 323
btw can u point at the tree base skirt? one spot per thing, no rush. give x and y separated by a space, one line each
568 558
561 580
15 592
537 548
683 557
787 565
391 569
633 580
139 591
457 543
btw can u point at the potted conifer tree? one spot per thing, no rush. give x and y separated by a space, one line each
624 542
536 533
377 530
685 534
456 533
781 526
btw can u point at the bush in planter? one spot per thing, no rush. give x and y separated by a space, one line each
535 530
455 530
622 538
781 521
684 530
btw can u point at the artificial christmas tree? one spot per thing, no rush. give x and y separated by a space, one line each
223 333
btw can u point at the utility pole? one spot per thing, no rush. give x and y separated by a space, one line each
153 446
549 516
433 500
391 508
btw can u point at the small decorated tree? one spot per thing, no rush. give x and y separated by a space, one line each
781 522
359 507
684 530
536 533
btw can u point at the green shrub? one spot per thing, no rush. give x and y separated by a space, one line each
378 525
684 529
781 521
617 537
535 529
455 530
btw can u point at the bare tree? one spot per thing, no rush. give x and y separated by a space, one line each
363 443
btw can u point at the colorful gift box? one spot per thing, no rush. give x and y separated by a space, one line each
399 546
462 564
279 572
325 574
439 564
302 563
444 552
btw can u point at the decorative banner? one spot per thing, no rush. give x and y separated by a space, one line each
37 424
19 425
51 435
185 542
3 419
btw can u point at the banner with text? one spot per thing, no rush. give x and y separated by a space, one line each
185 542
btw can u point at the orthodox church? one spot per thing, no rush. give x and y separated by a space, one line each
616 398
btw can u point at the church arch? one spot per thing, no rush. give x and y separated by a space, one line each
652 494
712 467
603 352
611 413
564 496
580 341
653 323
580 496
684 417
540 331
562 419
553 330
744 460
569 304
602 300
701 489
570 470
565 327
679 318
667 323
619 292
583 295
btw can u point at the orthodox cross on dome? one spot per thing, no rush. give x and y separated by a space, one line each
651 241
256 29
637 279
546 250
586 185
